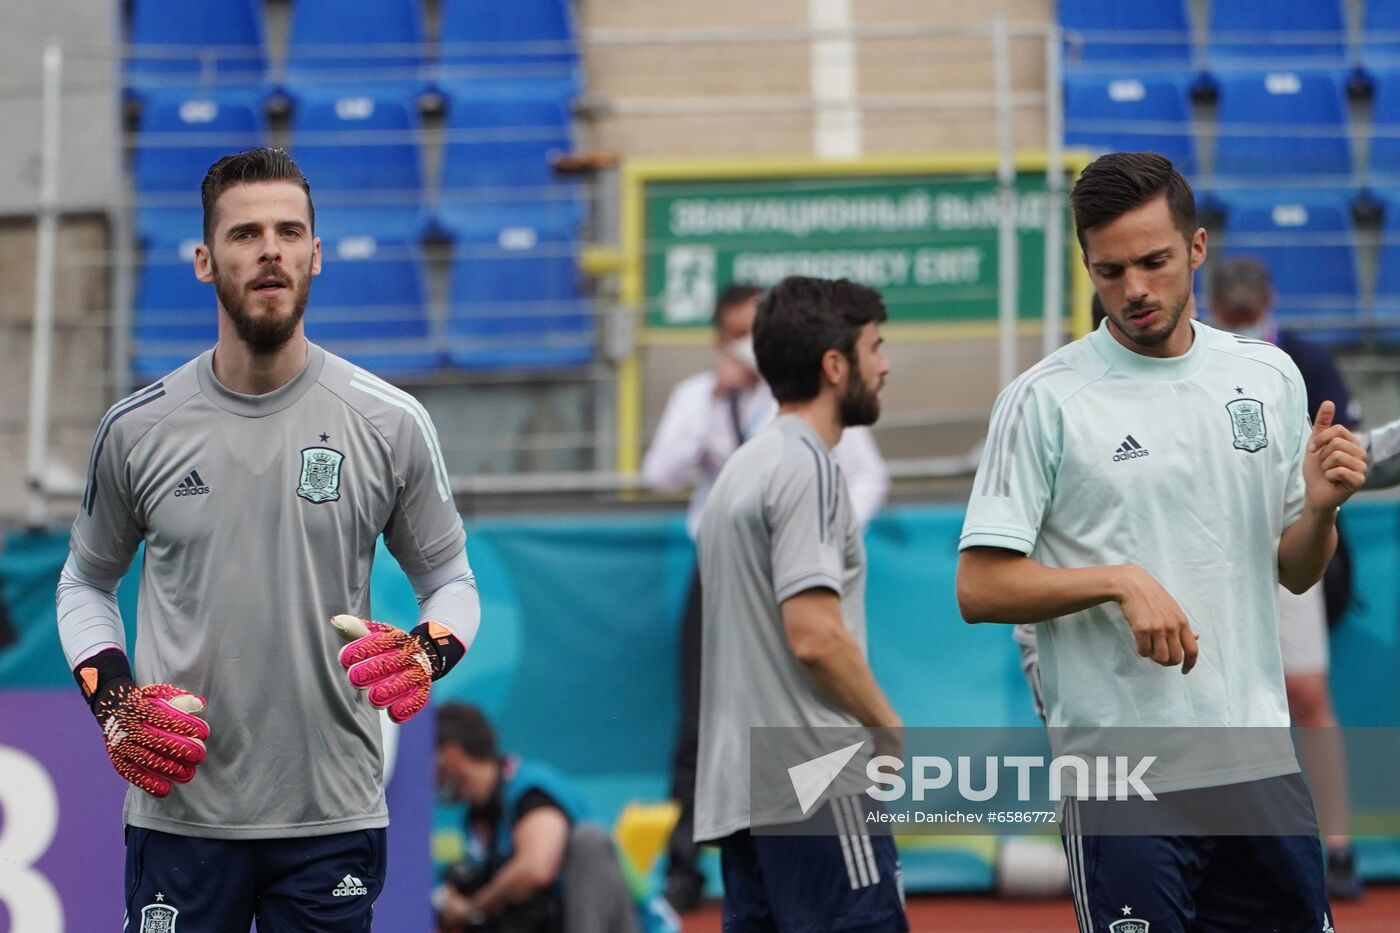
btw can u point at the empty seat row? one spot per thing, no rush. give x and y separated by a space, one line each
1159 32
514 302
1268 124
1308 240
223 41
360 147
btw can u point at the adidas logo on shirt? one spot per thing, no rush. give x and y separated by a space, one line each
350 886
1130 449
192 485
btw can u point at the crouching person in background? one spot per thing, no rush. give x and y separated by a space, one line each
533 866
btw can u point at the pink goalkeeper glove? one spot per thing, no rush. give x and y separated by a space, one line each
397 668
153 733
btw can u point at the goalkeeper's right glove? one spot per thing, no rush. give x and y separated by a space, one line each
153 735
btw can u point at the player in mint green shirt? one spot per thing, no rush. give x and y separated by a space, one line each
1144 491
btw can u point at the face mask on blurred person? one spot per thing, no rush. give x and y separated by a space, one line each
742 351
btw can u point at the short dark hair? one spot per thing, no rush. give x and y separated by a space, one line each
1119 182
799 320
1241 282
248 167
466 727
734 294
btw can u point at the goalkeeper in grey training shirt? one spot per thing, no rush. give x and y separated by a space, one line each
259 476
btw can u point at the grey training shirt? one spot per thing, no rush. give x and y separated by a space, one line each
260 516
777 523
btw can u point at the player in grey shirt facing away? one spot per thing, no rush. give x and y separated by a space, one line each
782 570
259 476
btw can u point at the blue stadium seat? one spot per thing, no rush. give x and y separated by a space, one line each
175 316
1385 126
1308 241
379 42
370 304
179 226
1283 124
1115 113
1307 32
497 158
360 150
181 133
195 42
485 39
1380 33
514 300
1145 34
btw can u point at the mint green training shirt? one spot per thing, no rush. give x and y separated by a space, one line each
1191 468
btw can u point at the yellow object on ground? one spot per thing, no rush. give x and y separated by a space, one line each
643 829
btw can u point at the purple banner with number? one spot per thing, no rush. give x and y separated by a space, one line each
56 783
61 849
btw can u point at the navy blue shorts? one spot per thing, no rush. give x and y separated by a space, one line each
308 884
846 881
1197 883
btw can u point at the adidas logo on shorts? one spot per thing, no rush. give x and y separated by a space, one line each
350 886
1130 449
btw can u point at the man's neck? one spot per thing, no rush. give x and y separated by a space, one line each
247 373
820 413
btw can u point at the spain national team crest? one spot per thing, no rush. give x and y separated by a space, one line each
1247 421
158 918
1130 925
320 474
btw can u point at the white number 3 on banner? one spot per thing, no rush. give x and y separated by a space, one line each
28 822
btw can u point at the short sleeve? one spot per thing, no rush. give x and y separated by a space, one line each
1016 477
1294 491
802 506
107 531
424 531
534 799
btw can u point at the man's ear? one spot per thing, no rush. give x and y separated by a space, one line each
1198 248
316 256
203 264
835 366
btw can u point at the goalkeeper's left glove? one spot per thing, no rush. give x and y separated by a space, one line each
397 668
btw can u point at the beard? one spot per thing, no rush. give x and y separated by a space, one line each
263 334
1158 335
859 404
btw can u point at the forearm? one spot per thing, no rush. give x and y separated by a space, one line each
675 452
89 620
1383 456
1002 586
1306 547
449 597
515 883
674 456
844 678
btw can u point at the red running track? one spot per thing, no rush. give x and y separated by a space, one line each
1378 912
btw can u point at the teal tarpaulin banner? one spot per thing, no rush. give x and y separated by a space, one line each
576 660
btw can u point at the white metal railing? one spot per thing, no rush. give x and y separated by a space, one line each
120 258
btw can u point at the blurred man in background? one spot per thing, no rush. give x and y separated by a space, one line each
782 564
707 417
1241 301
533 865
